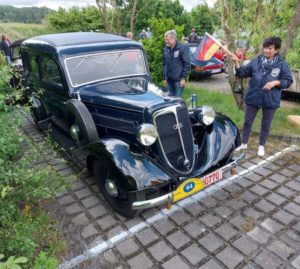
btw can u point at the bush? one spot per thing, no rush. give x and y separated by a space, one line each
25 184
154 46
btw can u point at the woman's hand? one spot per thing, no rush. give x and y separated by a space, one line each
236 60
269 85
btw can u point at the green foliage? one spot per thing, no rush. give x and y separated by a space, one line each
155 45
25 183
204 19
76 19
44 261
23 15
12 262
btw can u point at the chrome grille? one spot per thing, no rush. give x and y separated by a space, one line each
175 137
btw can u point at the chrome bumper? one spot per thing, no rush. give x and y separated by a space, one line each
168 198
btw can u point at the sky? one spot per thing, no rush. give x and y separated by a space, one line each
54 4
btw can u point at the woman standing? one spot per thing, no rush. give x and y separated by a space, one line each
269 75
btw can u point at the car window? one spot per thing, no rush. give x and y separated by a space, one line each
50 71
33 66
103 66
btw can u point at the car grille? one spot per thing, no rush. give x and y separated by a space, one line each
175 137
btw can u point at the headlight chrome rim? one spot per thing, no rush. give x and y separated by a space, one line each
207 115
147 134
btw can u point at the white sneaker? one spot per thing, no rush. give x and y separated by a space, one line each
261 151
242 147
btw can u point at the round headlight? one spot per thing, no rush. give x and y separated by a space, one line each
207 115
147 134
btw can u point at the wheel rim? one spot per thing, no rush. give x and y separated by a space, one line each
111 188
75 132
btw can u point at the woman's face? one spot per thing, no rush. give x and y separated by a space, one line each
270 51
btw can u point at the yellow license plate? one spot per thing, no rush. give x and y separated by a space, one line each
187 188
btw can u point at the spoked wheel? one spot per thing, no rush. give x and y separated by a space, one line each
113 193
81 124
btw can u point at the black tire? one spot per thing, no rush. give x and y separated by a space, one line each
121 204
79 115
37 110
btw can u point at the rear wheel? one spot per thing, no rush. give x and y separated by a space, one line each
115 195
81 125
37 110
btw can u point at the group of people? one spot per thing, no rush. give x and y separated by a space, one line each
5 48
268 73
143 35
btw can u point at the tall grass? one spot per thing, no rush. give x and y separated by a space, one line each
224 103
21 30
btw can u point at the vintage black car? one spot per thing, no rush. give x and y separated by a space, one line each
143 147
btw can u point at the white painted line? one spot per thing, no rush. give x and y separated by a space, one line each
161 215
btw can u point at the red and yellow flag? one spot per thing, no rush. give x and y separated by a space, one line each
206 49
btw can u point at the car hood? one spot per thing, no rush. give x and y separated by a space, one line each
124 95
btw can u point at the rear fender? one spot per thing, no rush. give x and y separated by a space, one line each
134 170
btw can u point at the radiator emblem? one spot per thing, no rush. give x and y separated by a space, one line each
177 126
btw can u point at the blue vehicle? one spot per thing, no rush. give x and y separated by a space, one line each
144 148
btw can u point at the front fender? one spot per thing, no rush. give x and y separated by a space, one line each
134 170
217 143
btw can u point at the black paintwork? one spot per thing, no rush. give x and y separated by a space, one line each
118 107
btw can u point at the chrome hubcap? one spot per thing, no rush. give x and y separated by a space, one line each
111 188
74 132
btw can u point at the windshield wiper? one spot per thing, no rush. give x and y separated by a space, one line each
115 62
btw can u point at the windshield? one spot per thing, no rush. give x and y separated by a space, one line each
103 66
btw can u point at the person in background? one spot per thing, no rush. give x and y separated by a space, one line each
143 34
193 37
269 75
148 33
176 64
5 48
129 35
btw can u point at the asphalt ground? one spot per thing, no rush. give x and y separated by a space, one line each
250 220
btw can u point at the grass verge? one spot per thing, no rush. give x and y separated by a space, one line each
21 30
224 103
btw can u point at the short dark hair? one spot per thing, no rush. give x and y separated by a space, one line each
274 40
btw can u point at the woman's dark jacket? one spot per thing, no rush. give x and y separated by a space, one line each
256 95
176 62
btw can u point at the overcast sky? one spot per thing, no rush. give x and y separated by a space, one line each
54 4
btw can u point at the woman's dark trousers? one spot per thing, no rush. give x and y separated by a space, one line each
250 114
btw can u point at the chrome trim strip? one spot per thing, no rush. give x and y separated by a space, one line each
171 109
169 196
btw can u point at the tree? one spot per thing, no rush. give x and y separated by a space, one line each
102 6
203 19
255 21
75 19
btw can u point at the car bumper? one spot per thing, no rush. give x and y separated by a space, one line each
169 197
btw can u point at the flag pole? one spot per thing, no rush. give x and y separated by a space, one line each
219 44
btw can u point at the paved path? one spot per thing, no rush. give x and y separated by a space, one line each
246 221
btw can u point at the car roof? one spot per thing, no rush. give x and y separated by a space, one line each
67 39
68 44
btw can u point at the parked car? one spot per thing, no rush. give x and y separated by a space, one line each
144 149
201 69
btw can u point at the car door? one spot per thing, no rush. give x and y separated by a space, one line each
55 94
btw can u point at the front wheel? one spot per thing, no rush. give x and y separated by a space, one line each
115 195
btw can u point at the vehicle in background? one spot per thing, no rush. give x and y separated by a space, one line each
200 69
